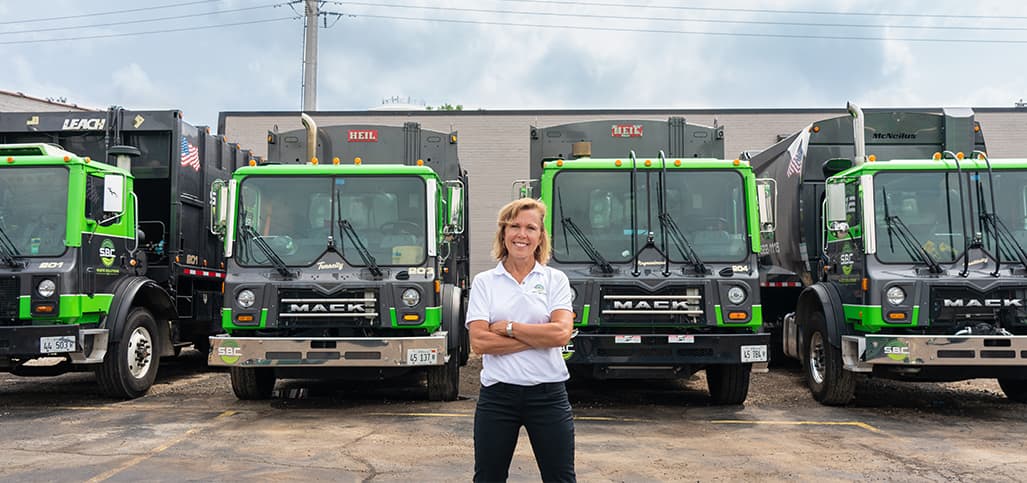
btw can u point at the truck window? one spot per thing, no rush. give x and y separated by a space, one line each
928 203
33 208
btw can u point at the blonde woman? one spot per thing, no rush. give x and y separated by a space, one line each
518 317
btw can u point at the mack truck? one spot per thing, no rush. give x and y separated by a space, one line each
351 267
898 253
659 238
105 260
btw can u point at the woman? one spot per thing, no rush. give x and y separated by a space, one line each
518 317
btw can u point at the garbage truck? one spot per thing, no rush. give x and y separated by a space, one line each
658 237
898 253
107 264
347 258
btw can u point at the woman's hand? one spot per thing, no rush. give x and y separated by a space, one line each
484 339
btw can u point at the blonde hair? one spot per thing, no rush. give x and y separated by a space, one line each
506 216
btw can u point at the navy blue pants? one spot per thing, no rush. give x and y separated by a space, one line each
543 410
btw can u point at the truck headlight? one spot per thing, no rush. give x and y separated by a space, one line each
46 288
895 295
411 297
736 295
574 294
245 298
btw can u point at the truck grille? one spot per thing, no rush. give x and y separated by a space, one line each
342 308
10 290
680 305
954 306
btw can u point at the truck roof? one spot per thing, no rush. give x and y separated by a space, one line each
641 164
933 165
329 169
36 154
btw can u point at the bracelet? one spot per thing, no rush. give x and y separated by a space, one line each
509 329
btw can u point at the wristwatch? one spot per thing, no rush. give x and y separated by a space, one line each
509 329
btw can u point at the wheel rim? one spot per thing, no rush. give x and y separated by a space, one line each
816 358
140 352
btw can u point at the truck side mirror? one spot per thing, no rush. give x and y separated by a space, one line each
218 207
766 194
112 201
454 208
835 207
522 188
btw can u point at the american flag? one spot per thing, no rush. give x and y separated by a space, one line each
797 152
190 155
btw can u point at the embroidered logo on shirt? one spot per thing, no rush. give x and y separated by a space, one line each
539 289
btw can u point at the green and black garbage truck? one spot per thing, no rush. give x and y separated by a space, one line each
347 259
899 252
107 263
659 238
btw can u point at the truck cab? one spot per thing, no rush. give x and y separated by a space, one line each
350 268
660 251
907 243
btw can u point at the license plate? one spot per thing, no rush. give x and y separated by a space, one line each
627 339
680 339
754 353
422 357
61 343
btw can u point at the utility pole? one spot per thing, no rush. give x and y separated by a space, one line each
310 55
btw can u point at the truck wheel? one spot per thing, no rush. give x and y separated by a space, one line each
828 381
1015 389
444 380
130 366
728 383
253 383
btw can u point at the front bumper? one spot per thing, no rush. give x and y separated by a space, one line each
932 350
667 349
328 351
90 345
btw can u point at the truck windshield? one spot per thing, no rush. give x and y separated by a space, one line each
708 207
34 208
296 215
928 203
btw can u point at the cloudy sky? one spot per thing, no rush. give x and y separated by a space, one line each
208 56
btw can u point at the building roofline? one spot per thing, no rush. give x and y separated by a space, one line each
47 101
223 115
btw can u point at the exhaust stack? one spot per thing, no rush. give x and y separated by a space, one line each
858 139
311 127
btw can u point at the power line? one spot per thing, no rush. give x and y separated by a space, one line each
670 19
159 19
692 32
765 10
115 12
150 32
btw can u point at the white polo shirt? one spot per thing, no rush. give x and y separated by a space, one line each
495 296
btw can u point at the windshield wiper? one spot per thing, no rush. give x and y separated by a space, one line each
9 253
251 233
590 250
269 252
1005 238
365 255
671 229
569 226
907 239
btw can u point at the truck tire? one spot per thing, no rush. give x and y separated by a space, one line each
253 383
130 365
728 383
1015 389
444 380
828 381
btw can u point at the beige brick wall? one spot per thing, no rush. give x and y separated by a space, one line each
15 102
494 148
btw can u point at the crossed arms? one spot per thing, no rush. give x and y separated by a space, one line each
492 339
